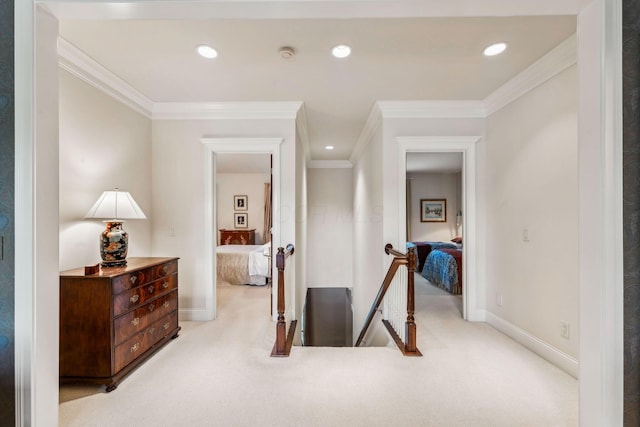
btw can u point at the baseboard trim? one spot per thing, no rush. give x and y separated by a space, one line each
560 359
194 314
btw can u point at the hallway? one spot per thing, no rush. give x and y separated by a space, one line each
219 373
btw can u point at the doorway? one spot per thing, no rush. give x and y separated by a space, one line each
465 145
434 221
243 226
214 147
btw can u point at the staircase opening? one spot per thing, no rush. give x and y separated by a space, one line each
328 318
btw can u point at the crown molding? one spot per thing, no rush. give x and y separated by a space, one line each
76 62
370 127
414 110
329 164
225 110
432 109
557 60
73 60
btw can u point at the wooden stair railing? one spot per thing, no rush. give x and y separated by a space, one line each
284 340
409 347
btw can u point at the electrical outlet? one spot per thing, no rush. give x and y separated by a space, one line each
525 235
564 329
499 299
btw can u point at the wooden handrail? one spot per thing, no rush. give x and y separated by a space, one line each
282 346
409 347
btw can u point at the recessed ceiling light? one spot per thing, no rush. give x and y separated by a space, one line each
329 147
206 51
341 51
495 49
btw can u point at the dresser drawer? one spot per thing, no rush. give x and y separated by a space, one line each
131 280
138 319
125 301
164 270
144 340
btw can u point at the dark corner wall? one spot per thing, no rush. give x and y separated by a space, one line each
7 140
631 209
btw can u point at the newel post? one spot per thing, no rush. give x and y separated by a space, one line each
281 326
410 325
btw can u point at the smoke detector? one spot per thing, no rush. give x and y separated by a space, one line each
287 52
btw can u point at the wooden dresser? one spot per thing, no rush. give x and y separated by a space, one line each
238 237
114 320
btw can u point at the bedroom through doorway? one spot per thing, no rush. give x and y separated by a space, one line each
242 224
434 200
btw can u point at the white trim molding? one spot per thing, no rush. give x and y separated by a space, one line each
233 145
76 62
26 378
370 127
557 60
413 110
226 110
309 9
474 291
541 348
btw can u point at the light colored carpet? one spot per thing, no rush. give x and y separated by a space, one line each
219 373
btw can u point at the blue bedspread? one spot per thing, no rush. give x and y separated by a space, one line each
441 270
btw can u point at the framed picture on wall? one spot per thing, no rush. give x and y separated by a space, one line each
241 220
240 203
433 210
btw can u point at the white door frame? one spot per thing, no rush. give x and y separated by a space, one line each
234 145
473 287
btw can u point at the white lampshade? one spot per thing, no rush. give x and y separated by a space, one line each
115 205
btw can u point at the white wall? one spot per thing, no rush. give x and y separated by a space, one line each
103 144
246 184
532 184
178 186
368 243
435 186
299 260
330 228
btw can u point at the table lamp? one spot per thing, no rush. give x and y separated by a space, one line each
113 207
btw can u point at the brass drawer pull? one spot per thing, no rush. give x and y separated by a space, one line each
135 347
164 269
135 321
165 285
166 304
166 326
151 331
134 298
133 279
152 307
150 289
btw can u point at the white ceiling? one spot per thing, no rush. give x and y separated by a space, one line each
422 58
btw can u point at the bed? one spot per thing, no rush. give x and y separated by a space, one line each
443 267
424 248
243 264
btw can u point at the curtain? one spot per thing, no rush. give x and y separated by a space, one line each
266 234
